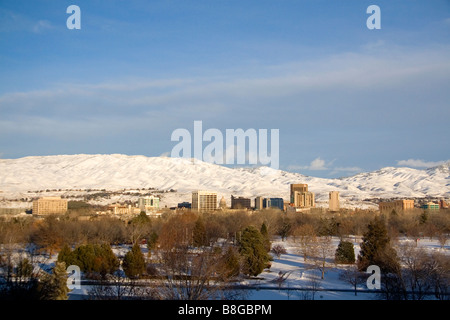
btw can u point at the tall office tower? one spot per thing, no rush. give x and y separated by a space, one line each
304 199
204 200
259 203
334 201
299 187
301 197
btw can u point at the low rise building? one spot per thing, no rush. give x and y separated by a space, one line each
122 209
397 205
430 206
148 204
273 203
184 205
50 205
240 203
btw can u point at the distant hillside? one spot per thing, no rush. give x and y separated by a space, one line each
116 171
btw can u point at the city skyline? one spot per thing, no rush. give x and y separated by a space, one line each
345 99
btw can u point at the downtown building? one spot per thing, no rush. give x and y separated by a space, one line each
148 204
50 205
204 200
301 197
240 203
397 205
266 203
333 201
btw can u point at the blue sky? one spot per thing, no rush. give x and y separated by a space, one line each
346 99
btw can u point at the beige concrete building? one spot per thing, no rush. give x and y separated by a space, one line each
397 205
123 209
333 203
301 197
204 200
258 203
299 187
49 205
304 199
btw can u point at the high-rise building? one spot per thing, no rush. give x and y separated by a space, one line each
299 187
259 203
50 205
240 203
301 197
204 200
334 201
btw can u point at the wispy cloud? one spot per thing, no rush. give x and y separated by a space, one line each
317 164
347 93
41 26
320 164
12 21
418 163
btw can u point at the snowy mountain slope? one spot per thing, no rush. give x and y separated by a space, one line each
116 171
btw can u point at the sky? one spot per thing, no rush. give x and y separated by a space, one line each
345 98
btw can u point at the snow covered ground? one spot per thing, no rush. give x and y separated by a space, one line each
303 281
302 276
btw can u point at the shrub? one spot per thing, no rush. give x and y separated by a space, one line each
278 250
345 253
134 262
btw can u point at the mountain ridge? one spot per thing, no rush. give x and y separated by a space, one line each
118 171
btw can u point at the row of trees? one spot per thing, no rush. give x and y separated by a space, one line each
192 253
53 232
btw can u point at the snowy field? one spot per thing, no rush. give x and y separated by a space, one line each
303 280
303 275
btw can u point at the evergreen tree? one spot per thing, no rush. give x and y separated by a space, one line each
345 253
230 266
376 249
251 248
54 286
65 255
134 262
105 260
266 237
84 257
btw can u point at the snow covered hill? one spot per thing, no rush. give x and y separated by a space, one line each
116 171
